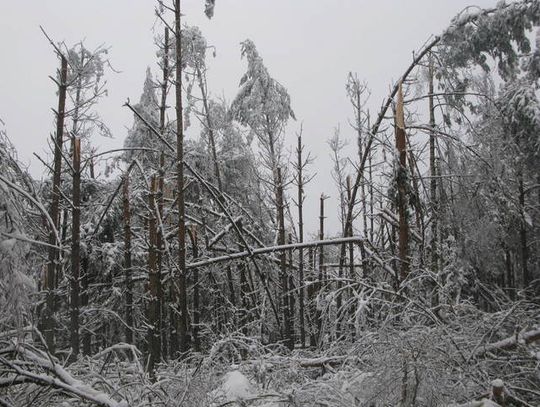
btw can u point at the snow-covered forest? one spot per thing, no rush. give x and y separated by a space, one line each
183 271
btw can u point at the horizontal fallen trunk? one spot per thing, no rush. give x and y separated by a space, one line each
509 343
272 249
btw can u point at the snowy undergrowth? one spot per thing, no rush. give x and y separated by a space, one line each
419 364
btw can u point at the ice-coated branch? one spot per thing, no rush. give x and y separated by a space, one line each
272 249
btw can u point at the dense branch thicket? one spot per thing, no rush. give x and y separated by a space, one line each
187 274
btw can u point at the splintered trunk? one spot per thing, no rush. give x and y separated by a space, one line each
127 261
75 249
181 294
300 203
53 253
154 331
285 310
401 145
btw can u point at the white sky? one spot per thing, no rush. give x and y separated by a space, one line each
307 45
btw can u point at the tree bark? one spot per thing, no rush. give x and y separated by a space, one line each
154 329
291 304
196 292
162 124
311 297
75 249
433 185
300 204
53 253
127 261
322 271
401 144
525 277
285 310
181 294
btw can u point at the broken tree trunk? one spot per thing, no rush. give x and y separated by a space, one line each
401 145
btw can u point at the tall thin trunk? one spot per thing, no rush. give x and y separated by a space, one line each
165 81
209 127
181 295
74 132
127 261
287 333
351 271
433 185
162 124
154 331
161 253
300 204
75 249
401 144
351 245
291 304
244 294
525 277
322 271
371 195
361 153
53 253
196 292
230 283
311 299
85 284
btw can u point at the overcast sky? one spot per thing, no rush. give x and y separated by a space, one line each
307 45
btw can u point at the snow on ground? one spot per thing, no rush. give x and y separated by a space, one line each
235 387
